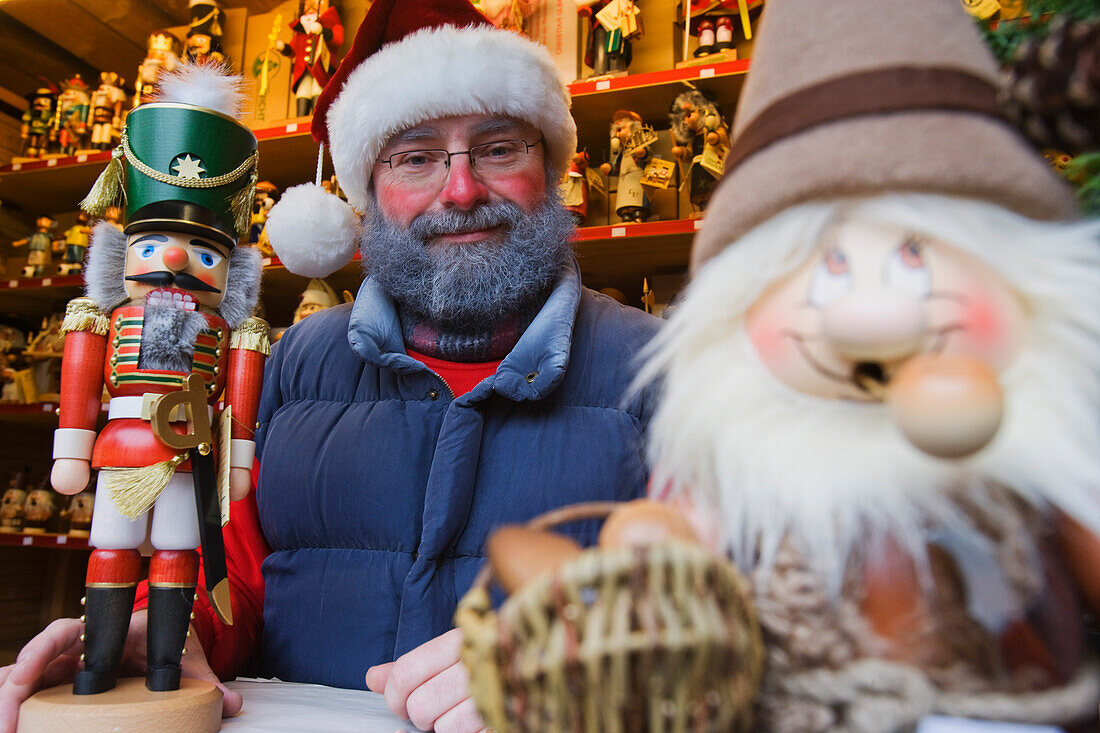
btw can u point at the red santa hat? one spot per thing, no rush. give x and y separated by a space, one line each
412 61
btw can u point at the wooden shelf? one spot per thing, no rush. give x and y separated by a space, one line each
60 541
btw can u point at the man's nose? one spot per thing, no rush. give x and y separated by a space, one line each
176 258
463 189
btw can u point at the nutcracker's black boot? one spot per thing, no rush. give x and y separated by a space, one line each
304 105
172 575
108 603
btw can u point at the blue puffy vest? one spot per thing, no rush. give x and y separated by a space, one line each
377 489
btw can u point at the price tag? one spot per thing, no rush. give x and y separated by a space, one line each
51 162
82 158
62 539
618 231
706 73
47 282
603 85
17 166
292 127
13 283
27 541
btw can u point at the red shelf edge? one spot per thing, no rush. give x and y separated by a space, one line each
19 539
630 81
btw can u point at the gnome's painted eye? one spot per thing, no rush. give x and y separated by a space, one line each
906 270
830 280
147 251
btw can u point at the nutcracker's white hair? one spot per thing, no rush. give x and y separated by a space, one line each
837 476
203 84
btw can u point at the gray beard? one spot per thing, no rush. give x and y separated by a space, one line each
470 286
168 338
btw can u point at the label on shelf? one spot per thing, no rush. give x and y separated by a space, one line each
51 162
62 539
13 283
292 127
603 85
82 158
28 541
17 166
618 231
698 224
706 73
47 282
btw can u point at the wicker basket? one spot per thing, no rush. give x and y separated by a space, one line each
658 639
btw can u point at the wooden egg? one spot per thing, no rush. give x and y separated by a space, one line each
518 554
947 406
643 522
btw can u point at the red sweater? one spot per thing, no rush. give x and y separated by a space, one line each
228 648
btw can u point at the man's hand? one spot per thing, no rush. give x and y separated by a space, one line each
53 657
429 687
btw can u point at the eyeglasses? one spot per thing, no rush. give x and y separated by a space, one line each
489 159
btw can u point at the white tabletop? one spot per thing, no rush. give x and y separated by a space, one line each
270 705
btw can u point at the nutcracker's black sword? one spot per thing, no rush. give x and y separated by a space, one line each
199 445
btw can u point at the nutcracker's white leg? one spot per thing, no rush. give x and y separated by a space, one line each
110 529
176 516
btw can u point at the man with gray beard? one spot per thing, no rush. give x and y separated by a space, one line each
474 381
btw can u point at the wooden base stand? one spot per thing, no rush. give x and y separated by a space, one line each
194 708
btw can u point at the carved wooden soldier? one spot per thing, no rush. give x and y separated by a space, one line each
166 325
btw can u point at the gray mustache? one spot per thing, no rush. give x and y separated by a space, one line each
453 221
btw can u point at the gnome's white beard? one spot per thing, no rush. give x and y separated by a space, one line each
837 477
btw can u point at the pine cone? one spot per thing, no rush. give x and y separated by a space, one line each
1052 87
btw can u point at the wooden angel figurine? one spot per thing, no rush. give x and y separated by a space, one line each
701 141
318 34
166 326
629 155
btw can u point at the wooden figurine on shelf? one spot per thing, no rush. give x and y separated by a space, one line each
701 140
264 199
162 54
70 124
39 245
113 216
715 22
611 25
11 506
166 324
511 15
630 141
574 187
107 103
77 238
35 130
204 32
879 390
317 296
318 34
79 513
38 509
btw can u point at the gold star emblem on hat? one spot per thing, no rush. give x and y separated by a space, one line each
185 166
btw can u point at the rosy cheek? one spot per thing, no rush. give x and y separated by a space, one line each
983 321
766 330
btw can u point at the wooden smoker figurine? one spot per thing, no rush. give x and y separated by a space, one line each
166 324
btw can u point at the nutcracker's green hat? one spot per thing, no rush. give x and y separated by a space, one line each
189 167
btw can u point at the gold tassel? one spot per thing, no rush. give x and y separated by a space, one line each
241 204
253 335
108 188
81 314
133 490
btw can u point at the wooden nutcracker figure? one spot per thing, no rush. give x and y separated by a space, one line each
39 244
70 124
106 103
318 33
166 326
35 130
574 188
162 55
204 32
77 238
629 155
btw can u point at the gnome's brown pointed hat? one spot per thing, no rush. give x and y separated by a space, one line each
863 97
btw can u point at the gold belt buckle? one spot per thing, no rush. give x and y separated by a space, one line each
149 402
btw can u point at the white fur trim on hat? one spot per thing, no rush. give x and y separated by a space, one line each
313 232
445 72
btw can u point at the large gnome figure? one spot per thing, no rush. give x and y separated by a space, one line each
166 325
882 384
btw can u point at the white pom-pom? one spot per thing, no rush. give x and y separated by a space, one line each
313 232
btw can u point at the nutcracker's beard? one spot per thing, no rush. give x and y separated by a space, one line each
475 285
835 475
168 336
